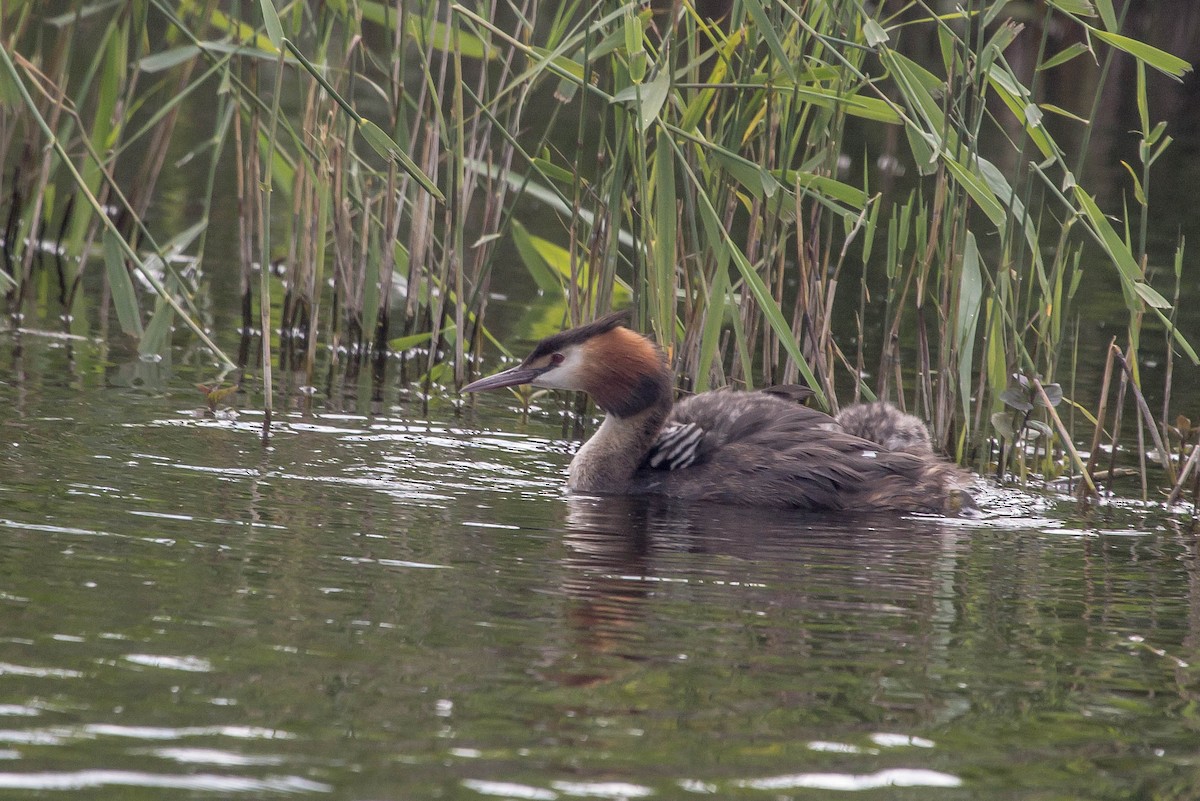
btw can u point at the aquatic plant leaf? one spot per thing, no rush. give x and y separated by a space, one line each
1054 394
271 22
1116 248
385 146
829 187
1138 193
874 32
1063 56
856 105
168 58
1150 295
1017 398
649 97
1002 422
979 191
665 236
555 172
997 359
918 87
702 103
1035 429
1083 8
10 95
428 31
156 338
1164 62
757 181
535 263
766 29
401 344
717 303
966 322
1108 15
1062 112
241 32
1016 97
80 14
123 295
568 65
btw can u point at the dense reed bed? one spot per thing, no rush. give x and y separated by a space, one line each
734 169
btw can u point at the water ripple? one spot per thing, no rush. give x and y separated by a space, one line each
84 779
895 777
191 664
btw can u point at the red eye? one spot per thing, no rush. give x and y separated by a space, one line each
556 359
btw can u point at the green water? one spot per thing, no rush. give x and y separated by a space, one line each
388 605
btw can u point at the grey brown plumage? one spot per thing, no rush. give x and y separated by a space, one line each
746 448
884 423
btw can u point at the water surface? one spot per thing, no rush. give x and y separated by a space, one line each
395 605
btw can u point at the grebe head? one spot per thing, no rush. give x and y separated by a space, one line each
622 370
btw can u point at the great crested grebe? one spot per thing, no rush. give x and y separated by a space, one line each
744 448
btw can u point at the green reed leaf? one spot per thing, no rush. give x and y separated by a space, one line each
874 33
1108 14
271 22
754 178
545 276
401 344
1082 8
1150 295
168 58
385 146
427 30
766 29
967 320
978 189
1063 56
156 338
123 295
665 235
1164 62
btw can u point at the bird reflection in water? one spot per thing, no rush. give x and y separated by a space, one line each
636 564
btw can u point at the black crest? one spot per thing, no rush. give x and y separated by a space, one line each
576 336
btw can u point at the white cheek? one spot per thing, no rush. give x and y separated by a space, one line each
564 376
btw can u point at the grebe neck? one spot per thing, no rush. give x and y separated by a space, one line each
607 461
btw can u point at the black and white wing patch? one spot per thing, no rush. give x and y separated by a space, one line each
677 446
